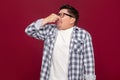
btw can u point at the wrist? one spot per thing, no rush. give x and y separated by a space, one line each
44 21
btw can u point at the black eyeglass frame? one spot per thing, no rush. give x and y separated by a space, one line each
59 14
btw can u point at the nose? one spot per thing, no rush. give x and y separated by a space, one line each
59 18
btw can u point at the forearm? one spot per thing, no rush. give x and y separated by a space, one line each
33 29
39 28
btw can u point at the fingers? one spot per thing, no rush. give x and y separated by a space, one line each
51 18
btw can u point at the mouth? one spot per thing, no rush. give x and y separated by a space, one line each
59 22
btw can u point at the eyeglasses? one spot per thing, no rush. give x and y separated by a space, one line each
63 14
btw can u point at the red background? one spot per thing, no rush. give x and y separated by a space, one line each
20 55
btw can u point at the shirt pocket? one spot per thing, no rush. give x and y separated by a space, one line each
78 46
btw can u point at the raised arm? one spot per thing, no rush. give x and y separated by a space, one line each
40 28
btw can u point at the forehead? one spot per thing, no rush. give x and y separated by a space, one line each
63 11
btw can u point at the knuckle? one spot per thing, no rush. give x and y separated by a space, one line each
53 14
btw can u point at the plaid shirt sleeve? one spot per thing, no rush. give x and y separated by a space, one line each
37 31
89 59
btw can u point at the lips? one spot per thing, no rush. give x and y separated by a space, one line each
58 22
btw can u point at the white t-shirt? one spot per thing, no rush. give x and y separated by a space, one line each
60 57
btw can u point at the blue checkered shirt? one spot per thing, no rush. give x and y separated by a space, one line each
81 61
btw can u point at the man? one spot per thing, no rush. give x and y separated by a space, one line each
68 52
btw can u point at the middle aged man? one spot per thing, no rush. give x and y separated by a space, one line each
68 52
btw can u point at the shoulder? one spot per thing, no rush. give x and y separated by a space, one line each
81 33
80 30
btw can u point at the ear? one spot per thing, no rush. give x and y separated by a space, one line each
72 21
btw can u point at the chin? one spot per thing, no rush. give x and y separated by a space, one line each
58 25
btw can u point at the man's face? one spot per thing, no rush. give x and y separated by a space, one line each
65 19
